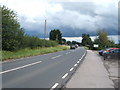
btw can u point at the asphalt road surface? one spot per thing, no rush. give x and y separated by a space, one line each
44 71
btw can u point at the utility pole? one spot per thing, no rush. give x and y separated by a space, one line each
45 30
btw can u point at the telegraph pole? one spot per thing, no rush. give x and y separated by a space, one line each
45 30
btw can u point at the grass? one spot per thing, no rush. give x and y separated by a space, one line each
7 55
86 48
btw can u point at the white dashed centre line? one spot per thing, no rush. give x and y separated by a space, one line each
20 67
67 52
56 57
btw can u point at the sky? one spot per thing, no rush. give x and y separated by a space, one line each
72 17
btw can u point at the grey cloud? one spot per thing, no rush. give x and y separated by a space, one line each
86 8
75 19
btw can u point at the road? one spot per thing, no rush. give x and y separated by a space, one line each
44 71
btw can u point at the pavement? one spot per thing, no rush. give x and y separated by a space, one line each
44 71
91 74
113 68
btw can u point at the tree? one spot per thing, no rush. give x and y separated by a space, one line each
111 43
63 41
86 40
102 39
12 34
69 42
56 35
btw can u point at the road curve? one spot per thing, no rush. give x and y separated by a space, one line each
44 71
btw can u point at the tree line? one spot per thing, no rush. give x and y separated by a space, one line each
101 40
14 37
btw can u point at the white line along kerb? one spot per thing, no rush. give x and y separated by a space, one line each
20 67
82 56
71 69
54 86
78 61
65 76
75 65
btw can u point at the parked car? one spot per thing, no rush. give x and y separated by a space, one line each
112 54
72 47
101 51
108 50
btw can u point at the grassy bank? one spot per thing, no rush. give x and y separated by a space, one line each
31 52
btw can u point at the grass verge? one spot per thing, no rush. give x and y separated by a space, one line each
86 48
7 55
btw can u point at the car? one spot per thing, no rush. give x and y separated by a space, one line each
108 50
72 47
101 51
112 54
76 45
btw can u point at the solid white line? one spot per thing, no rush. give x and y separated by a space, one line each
71 69
75 65
65 76
56 57
54 86
20 67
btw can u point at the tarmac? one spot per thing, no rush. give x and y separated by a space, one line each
91 74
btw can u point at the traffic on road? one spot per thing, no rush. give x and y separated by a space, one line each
44 71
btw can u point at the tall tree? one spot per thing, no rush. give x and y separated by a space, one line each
86 40
56 35
12 34
69 42
63 41
103 39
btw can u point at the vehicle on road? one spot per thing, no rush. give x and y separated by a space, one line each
76 46
72 47
112 54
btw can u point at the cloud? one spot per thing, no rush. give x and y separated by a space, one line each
72 17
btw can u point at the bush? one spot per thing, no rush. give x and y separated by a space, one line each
13 36
11 45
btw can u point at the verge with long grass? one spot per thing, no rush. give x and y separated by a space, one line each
8 55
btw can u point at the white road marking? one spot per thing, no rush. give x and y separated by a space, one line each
56 57
82 56
78 61
71 69
20 67
65 76
75 65
54 86
67 52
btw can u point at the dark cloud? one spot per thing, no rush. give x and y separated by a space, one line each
74 19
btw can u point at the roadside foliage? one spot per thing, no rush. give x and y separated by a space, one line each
14 37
